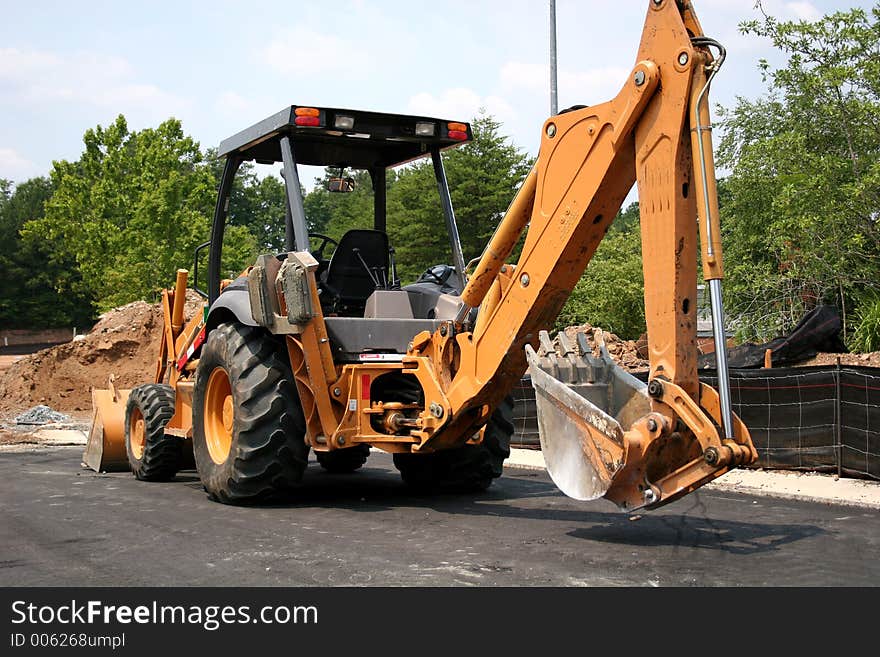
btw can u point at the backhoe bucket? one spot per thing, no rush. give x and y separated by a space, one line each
105 450
583 403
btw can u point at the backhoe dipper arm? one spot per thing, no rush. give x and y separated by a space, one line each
588 161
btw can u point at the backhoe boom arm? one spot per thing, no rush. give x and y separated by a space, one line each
588 161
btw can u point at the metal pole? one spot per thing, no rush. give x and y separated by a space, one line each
378 176
294 196
837 428
289 233
449 214
554 105
218 226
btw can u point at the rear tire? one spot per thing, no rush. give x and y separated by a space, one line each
343 461
471 468
248 427
152 455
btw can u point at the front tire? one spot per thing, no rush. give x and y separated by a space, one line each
152 455
248 427
470 468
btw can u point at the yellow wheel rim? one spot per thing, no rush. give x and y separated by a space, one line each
136 433
218 415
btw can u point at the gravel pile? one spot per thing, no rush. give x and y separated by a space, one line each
41 414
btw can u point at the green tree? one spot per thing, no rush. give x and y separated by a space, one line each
131 210
801 203
263 204
627 220
255 203
610 294
41 281
483 177
333 213
415 220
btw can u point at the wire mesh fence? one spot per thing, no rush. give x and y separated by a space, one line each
824 419
525 416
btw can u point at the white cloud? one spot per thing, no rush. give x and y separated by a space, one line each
305 52
459 103
805 11
38 77
15 167
143 97
34 66
585 87
781 9
232 104
521 98
522 75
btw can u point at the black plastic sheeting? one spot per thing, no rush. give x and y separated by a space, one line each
811 418
818 331
820 419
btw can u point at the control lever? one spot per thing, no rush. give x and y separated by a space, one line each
373 277
395 280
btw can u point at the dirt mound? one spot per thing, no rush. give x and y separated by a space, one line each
124 342
629 354
871 359
632 355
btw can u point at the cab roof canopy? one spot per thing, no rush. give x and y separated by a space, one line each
340 137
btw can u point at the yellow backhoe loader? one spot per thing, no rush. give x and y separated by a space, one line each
308 350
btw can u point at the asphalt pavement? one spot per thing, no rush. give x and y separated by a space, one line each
61 524
806 486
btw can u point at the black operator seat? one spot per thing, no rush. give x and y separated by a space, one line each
359 266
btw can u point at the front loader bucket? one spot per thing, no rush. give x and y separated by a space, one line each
105 450
583 403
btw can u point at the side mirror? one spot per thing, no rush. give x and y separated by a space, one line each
340 185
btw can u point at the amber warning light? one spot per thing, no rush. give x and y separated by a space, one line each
307 116
457 131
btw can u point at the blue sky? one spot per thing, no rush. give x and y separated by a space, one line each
221 66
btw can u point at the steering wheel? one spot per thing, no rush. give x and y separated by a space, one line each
325 240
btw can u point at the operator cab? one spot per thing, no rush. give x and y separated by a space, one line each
368 313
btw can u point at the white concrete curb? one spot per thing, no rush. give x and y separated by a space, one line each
807 486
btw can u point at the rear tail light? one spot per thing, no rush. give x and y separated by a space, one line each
457 131
307 116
